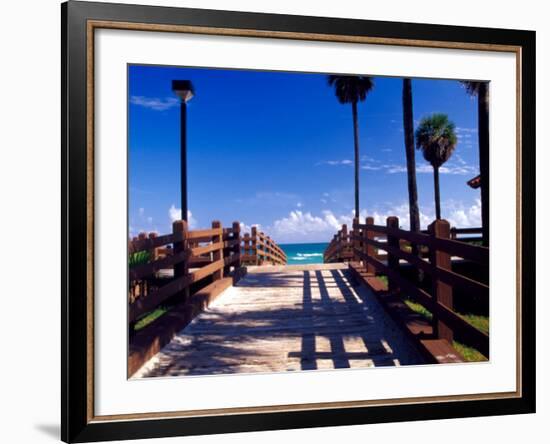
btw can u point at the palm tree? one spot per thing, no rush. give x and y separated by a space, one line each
408 130
481 91
353 89
436 137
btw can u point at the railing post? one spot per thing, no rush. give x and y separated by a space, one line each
273 251
355 244
181 269
246 247
218 253
269 250
153 251
393 261
344 241
338 245
141 283
265 247
237 246
226 251
254 246
441 292
371 251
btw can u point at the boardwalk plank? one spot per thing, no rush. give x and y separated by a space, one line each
286 318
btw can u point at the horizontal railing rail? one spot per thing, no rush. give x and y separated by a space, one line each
186 256
161 267
431 252
259 249
176 276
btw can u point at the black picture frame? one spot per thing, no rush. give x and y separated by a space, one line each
77 425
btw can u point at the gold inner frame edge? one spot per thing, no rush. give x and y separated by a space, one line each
92 25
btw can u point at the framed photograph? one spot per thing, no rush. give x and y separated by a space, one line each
276 221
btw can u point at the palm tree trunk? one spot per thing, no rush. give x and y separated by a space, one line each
408 128
436 193
483 139
356 142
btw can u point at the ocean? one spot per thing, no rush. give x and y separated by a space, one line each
304 253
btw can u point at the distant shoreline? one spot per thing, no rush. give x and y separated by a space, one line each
304 253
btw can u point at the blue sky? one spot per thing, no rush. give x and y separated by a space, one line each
276 150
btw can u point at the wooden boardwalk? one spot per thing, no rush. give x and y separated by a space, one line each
286 318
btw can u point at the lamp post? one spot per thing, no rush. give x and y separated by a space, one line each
184 90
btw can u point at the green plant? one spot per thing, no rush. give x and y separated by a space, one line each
353 89
138 258
436 137
478 321
417 308
470 354
150 317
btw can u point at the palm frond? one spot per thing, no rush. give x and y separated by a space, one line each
436 137
349 89
471 87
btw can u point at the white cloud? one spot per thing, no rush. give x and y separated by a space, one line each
460 215
452 168
459 159
279 198
175 214
392 169
371 167
154 103
456 213
425 169
335 162
368 158
248 228
461 129
142 223
301 226
459 169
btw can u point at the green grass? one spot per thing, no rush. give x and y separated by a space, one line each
470 354
480 322
417 308
150 317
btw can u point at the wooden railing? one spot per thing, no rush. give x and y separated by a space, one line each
181 273
366 240
259 249
339 249
186 257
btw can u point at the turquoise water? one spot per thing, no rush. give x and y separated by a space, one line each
304 253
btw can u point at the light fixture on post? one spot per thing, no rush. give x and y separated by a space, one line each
184 90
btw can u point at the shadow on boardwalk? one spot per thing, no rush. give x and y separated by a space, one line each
286 320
